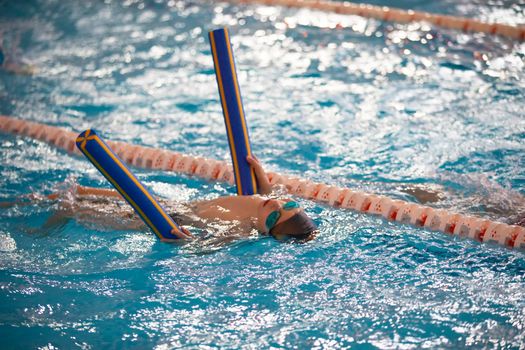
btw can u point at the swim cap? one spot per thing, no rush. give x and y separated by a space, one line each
299 226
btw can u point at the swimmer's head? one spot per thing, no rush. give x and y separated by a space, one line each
285 219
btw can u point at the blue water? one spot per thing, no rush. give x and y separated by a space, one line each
373 106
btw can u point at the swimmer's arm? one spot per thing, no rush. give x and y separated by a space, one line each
80 190
105 192
263 183
88 191
93 191
28 199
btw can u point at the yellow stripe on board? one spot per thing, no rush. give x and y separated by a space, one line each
226 114
239 103
137 183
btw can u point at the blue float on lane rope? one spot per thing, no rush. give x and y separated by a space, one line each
233 111
114 169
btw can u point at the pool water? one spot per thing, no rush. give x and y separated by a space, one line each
358 103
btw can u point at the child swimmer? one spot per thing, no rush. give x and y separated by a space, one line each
242 215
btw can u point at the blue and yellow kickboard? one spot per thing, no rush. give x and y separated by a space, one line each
233 111
114 169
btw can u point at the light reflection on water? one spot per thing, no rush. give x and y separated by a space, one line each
343 100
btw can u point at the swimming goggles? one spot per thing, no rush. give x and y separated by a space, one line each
274 216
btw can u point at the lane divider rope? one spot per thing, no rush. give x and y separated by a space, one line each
482 230
390 14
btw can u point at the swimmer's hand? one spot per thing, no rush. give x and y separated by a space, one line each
184 235
264 185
